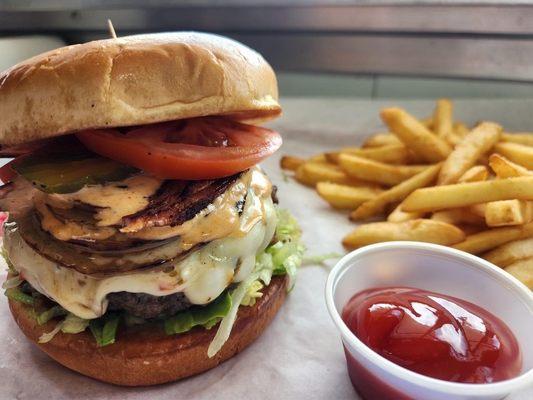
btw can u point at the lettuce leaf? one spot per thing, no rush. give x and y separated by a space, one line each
104 329
207 315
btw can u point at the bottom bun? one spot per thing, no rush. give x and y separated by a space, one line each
145 355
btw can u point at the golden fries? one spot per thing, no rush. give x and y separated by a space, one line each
381 139
391 154
375 171
416 137
310 173
508 212
424 230
518 153
475 193
519 137
443 119
458 216
511 252
465 194
398 215
475 174
460 129
468 151
523 271
397 193
291 163
484 241
504 168
345 197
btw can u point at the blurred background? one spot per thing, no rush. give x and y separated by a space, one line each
364 48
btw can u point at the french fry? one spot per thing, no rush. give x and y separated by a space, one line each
319 158
428 122
381 139
443 119
487 240
375 171
504 168
424 230
465 194
518 153
398 215
525 138
395 194
290 163
523 271
390 154
478 209
511 252
310 173
482 138
345 197
460 129
508 212
416 137
458 216
475 174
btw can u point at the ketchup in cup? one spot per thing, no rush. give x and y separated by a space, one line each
429 333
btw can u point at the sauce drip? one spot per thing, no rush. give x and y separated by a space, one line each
434 335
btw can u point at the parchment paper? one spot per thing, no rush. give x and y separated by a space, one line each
299 356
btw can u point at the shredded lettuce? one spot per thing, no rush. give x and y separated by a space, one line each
55 311
282 257
253 293
104 329
320 258
206 316
12 282
73 324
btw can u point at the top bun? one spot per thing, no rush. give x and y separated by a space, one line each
134 80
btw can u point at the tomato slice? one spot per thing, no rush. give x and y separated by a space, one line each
198 148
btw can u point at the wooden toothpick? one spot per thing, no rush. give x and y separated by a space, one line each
111 29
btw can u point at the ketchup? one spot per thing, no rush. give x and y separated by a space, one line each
432 334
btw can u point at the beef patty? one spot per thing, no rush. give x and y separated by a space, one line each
147 306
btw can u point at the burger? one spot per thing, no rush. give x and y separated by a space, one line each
144 242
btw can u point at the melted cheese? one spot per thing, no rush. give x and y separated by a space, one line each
201 276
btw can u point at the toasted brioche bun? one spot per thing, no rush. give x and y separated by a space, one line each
134 80
146 355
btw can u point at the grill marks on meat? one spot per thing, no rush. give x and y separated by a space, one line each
177 202
147 306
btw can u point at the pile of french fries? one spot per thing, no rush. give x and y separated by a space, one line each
434 180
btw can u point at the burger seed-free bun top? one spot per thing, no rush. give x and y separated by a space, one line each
134 80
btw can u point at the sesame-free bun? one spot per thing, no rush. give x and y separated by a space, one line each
134 80
145 355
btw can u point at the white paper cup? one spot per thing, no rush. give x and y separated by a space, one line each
439 269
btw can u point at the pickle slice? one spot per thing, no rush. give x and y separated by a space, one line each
67 166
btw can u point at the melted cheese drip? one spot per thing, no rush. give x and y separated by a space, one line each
116 199
202 276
